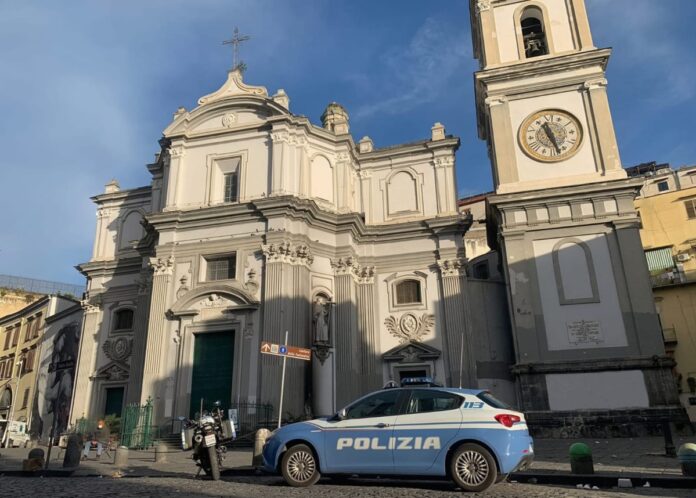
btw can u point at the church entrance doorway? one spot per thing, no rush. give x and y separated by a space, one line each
213 354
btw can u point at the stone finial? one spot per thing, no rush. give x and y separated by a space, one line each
179 112
282 98
438 132
366 145
112 187
335 119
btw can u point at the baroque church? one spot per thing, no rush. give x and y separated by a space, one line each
258 224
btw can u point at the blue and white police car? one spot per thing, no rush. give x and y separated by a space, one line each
416 430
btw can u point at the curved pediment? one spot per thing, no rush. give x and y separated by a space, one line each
215 295
234 105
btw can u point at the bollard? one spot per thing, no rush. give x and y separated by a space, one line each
121 458
259 441
687 459
73 452
581 459
161 453
35 460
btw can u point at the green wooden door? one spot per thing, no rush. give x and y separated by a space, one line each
114 401
213 355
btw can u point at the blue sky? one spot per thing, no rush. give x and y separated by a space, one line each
86 88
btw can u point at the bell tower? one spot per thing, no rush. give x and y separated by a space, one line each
541 95
587 337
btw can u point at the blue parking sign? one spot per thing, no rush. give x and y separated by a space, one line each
283 350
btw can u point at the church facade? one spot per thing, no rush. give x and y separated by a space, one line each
258 225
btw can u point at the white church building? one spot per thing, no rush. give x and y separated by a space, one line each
258 223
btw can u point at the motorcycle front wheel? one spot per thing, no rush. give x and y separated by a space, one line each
213 462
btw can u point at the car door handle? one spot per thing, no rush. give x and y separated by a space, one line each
382 425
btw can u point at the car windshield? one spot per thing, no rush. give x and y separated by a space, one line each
488 398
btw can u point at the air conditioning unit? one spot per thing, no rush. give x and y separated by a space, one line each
683 257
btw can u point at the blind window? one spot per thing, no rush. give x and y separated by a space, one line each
660 259
220 268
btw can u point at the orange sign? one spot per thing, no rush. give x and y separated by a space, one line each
288 351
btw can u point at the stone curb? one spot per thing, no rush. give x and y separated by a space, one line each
604 480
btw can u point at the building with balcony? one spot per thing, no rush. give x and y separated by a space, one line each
667 207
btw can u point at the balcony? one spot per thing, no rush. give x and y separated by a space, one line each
673 277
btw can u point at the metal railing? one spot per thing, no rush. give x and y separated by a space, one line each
674 277
137 430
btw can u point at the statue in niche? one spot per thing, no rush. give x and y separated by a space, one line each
320 319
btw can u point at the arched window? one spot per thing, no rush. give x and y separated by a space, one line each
408 292
533 33
123 319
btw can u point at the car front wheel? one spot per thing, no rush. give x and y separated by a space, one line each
299 466
473 468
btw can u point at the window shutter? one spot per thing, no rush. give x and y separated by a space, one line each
660 259
690 209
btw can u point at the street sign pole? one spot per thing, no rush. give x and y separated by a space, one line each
282 384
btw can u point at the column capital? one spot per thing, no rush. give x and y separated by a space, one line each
451 267
92 304
482 6
286 252
596 84
162 266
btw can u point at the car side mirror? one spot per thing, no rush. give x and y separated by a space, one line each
342 414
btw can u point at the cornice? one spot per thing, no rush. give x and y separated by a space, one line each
110 267
123 195
629 186
308 211
538 67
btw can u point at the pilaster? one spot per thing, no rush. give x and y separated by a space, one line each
370 362
285 307
504 160
82 391
156 334
347 361
459 344
601 117
140 329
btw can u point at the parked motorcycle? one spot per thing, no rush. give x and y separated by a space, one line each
208 436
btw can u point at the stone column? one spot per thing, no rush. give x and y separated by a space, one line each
82 390
152 385
345 332
135 379
370 363
458 342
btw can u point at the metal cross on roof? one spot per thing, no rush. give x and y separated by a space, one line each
235 42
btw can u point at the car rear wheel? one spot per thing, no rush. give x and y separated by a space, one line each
299 466
473 468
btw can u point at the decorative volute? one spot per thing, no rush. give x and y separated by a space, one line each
233 87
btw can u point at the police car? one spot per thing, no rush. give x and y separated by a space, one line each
421 430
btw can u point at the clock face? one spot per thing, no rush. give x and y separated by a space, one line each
550 135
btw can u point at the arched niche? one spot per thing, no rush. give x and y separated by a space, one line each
322 179
574 271
402 193
131 229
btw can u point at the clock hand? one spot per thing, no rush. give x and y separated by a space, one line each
552 137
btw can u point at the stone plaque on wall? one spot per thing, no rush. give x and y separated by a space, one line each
584 332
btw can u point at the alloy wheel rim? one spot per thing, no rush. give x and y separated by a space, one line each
472 468
301 466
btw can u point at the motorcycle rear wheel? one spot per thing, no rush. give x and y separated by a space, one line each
213 461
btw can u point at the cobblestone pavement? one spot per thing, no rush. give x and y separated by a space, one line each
268 487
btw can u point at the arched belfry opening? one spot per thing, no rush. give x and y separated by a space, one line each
533 33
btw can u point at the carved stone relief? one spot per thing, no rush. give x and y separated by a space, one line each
410 328
118 349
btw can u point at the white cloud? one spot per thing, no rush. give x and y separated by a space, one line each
649 45
420 72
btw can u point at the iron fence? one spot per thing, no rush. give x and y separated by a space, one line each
137 430
251 417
